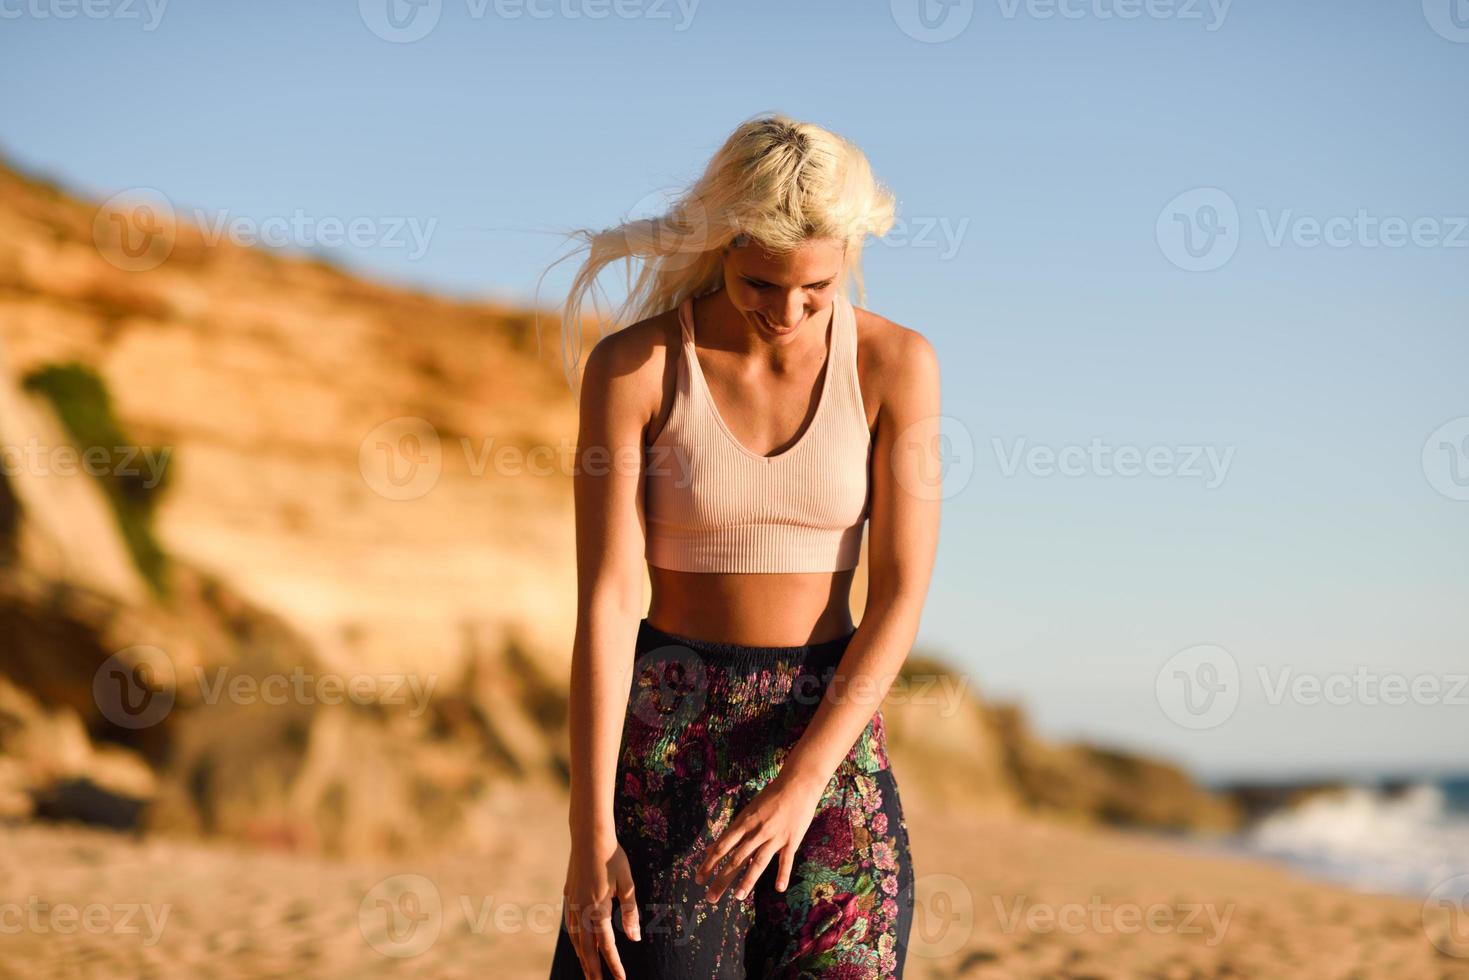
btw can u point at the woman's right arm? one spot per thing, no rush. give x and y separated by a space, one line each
607 486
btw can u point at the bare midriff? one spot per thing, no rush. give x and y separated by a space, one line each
775 609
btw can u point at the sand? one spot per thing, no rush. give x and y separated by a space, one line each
999 897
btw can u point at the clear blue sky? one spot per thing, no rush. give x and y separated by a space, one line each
1046 148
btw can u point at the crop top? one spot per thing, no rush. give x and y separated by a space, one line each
714 506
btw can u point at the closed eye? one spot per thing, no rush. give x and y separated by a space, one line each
756 283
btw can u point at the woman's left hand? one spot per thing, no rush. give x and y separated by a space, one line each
773 823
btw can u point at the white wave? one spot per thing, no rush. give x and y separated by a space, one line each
1406 842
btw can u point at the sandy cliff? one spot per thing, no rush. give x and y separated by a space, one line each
308 478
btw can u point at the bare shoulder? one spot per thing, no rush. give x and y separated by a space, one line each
625 369
894 361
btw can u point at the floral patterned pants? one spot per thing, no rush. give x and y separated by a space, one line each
708 725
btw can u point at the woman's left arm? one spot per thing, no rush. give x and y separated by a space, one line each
907 477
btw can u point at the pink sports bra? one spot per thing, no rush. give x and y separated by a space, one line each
714 506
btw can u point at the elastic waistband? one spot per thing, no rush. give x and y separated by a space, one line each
651 636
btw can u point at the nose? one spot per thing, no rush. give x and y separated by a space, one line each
795 309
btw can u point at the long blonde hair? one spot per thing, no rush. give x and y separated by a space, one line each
775 181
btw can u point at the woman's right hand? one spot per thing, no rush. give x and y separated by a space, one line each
596 872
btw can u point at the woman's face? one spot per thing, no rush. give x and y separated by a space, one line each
777 293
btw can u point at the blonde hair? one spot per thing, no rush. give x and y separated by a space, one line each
775 181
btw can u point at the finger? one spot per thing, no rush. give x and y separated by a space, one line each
589 967
607 943
787 860
718 848
585 946
758 864
627 901
732 867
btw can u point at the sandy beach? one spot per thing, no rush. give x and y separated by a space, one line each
998 897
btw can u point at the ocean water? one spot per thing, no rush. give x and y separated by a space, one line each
1409 840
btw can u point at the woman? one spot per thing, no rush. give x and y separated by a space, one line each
733 810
